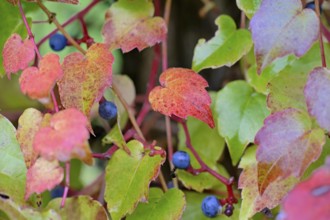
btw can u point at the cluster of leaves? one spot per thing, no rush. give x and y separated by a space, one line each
274 123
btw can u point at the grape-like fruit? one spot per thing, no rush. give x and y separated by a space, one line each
57 42
107 110
181 160
211 206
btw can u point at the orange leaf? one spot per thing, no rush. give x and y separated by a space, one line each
182 93
43 175
37 83
86 78
65 137
17 54
28 125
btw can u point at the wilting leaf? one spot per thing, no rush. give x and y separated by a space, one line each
28 125
225 48
182 93
129 24
293 31
317 99
81 207
37 83
287 145
17 54
136 171
43 175
85 78
65 137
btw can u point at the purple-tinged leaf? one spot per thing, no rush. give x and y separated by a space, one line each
280 28
287 145
317 92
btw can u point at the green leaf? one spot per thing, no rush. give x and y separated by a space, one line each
160 206
249 7
10 210
241 114
287 91
12 165
260 82
225 48
81 207
128 178
11 22
194 211
115 136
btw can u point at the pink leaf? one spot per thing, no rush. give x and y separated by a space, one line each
182 93
43 175
17 54
37 83
65 137
128 28
316 92
310 199
280 28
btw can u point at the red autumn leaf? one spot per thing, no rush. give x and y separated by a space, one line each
309 199
85 78
37 83
287 145
43 175
17 54
317 96
280 28
128 28
28 125
65 137
182 93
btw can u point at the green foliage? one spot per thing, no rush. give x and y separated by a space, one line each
241 112
135 172
162 206
225 48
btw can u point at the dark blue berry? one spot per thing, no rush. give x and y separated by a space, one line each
181 160
211 206
170 185
107 110
57 42
311 5
57 192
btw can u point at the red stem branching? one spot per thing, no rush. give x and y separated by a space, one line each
317 9
231 199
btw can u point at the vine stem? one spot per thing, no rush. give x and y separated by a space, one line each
205 168
67 183
52 18
167 14
70 20
31 36
317 9
76 45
